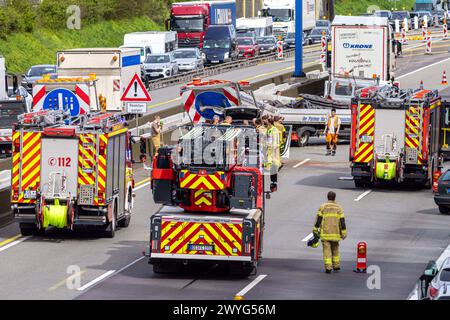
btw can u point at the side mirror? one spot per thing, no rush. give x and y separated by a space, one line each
431 270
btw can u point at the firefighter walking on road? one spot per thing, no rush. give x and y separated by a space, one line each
332 128
330 228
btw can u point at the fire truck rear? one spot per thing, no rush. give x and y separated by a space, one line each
212 186
395 136
68 173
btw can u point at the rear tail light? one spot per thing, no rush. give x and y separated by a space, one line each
433 291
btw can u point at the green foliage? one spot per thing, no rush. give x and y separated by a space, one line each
355 7
23 50
16 16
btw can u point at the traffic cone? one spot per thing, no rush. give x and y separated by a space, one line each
421 84
361 258
444 79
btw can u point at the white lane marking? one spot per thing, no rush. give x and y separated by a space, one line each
346 178
301 163
141 186
423 68
251 285
130 264
98 279
420 44
108 274
309 236
12 244
363 195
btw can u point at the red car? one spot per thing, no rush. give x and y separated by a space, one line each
248 47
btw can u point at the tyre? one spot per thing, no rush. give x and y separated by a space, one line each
303 138
359 184
444 209
125 221
27 229
110 230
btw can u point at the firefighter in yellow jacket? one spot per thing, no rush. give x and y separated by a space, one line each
330 228
273 152
332 132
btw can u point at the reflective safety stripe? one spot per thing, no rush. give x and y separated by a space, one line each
327 260
330 237
331 215
336 259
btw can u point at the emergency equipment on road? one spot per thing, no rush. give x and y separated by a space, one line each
395 136
212 187
69 175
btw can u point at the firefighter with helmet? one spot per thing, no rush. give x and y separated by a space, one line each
330 228
273 152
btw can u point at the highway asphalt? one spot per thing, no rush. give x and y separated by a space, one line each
402 227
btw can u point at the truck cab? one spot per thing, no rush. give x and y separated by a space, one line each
192 19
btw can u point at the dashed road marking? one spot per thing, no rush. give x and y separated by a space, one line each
96 280
250 286
363 195
302 163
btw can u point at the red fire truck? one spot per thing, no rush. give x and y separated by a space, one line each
395 136
212 187
68 175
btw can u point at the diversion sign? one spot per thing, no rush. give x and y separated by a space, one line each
362 49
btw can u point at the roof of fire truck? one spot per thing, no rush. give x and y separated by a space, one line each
46 79
55 120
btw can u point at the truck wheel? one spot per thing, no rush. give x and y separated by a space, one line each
125 221
27 229
444 210
111 228
359 184
303 138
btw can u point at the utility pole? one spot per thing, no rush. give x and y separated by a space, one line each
298 72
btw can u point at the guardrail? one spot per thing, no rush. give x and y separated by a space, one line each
214 70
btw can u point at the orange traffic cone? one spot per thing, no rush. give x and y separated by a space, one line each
444 79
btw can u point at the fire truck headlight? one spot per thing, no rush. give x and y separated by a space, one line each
166 248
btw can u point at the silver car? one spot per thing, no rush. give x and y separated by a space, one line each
440 286
159 66
188 59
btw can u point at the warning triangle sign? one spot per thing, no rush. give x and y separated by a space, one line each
136 91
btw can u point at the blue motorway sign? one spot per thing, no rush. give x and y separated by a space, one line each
62 99
209 104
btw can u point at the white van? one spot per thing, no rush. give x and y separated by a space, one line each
263 26
150 42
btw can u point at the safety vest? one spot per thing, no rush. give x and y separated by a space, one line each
273 146
336 122
330 221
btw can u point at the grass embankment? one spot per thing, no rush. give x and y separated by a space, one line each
356 7
22 50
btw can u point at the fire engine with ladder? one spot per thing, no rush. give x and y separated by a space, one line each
395 136
211 185
68 173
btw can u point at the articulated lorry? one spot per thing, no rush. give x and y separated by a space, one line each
191 19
